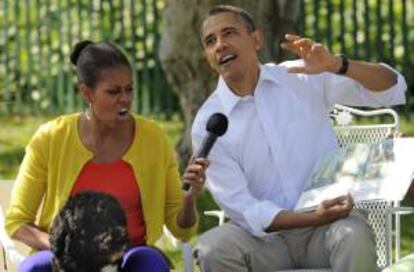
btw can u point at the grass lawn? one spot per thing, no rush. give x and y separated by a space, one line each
16 132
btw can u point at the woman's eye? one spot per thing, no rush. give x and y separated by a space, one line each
228 32
113 91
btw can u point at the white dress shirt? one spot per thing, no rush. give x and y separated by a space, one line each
260 166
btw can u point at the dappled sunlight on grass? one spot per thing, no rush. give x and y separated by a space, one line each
407 127
15 133
407 230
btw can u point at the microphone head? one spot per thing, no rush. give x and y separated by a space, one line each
217 124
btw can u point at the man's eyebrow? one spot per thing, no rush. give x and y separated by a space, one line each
228 28
231 27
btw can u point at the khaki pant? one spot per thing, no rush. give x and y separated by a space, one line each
345 245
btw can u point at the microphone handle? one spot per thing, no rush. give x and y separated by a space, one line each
202 152
206 146
186 185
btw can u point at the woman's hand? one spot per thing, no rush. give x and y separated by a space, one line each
195 175
33 237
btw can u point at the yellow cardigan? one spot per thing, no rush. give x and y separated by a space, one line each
55 156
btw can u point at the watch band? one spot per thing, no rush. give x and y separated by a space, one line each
345 65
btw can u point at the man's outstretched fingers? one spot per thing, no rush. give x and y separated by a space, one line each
292 37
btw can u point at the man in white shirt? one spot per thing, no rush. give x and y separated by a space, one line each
278 128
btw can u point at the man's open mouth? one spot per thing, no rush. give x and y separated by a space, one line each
227 58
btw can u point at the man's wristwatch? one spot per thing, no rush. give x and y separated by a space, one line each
345 65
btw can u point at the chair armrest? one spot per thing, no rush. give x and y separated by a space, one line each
219 214
400 210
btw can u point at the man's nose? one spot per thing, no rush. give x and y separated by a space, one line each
221 43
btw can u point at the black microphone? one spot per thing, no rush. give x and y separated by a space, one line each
216 127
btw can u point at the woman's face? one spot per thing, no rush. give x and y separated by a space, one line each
112 96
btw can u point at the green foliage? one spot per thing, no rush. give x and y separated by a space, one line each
407 230
407 127
15 133
36 39
205 202
371 30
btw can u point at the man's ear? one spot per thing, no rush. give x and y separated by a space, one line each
258 39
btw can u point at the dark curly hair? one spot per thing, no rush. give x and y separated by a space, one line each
89 233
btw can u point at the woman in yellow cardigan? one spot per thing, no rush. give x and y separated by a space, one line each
106 149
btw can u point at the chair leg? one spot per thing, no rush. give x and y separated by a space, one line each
397 237
389 238
4 259
188 257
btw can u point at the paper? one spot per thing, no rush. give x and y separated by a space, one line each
367 171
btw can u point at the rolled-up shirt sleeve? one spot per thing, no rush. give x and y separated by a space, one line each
229 187
346 91
260 216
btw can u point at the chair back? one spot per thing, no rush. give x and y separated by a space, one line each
348 133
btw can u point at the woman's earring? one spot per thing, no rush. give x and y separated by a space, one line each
88 112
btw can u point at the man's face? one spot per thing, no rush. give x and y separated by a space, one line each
230 48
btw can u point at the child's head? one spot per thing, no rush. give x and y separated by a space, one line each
89 233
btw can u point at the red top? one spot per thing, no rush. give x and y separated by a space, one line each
116 179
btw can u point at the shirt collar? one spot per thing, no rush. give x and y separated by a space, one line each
229 99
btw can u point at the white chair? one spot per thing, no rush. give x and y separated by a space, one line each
12 253
383 215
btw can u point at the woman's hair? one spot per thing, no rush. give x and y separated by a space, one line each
91 58
89 233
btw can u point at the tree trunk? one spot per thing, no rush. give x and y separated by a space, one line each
181 51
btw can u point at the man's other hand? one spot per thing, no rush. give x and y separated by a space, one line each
333 209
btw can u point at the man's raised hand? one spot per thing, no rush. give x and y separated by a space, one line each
315 57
